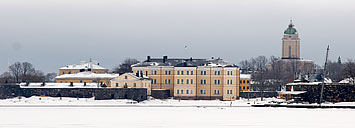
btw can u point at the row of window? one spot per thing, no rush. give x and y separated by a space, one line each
181 72
244 88
134 85
182 91
181 81
244 81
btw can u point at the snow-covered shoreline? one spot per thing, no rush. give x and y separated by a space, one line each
36 101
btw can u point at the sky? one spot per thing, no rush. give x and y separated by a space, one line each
54 33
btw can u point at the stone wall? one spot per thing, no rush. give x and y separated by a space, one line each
332 93
138 94
257 94
161 94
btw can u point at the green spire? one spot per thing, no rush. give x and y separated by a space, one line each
290 29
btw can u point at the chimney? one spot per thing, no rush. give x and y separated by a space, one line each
191 59
165 58
148 58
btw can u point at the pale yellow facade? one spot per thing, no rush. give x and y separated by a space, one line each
202 82
245 84
100 81
130 80
73 71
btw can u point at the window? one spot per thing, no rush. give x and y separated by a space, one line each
231 81
187 91
192 81
191 92
227 81
182 91
69 72
227 91
134 85
231 72
240 81
187 81
116 84
177 91
125 77
182 81
182 72
243 81
192 72
178 81
201 82
155 81
201 72
219 81
155 72
81 81
204 81
178 72
169 72
248 81
203 91
187 73
243 87
215 81
248 87
204 72
169 81
230 92
166 72
215 72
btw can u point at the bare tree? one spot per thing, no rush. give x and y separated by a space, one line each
335 71
349 71
259 76
16 71
50 77
125 66
27 71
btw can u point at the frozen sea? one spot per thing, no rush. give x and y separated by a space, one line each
72 113
141 117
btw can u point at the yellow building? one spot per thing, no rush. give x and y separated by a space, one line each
83 67
245 82
87 77
131 80
192 78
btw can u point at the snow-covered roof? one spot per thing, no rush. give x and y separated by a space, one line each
245 76
87 75
140 77
346 81
58 85
84 65
291 92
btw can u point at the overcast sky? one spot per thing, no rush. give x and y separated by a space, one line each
51 34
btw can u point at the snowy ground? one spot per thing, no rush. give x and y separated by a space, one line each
50 112
90 102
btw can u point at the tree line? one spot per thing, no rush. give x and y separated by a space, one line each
25 72
270 73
